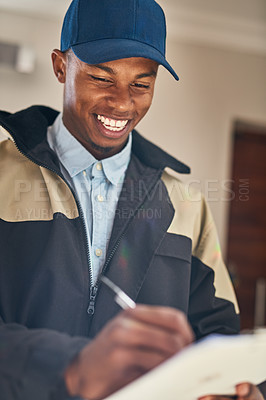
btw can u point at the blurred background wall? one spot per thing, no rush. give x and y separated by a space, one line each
217 48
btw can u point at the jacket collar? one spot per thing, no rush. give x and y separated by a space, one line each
29 130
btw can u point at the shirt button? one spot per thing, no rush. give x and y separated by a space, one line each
100 198
99 166
98 252
84 173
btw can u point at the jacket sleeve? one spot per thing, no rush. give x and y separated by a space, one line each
32 362
213 306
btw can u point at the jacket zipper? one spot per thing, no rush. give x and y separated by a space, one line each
94 289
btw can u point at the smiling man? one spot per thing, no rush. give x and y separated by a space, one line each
84 195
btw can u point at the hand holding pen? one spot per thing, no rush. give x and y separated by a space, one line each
138 339
244 391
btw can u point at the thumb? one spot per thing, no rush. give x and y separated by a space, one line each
247 391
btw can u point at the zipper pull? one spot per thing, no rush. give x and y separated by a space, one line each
93 292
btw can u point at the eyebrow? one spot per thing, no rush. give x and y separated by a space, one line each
104 68
146 75
111 71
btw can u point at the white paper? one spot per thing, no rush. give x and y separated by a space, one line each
212 366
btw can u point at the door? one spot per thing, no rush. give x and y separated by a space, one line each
246 249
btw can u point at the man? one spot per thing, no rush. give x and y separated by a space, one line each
83 194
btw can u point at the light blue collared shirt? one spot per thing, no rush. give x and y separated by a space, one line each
97 184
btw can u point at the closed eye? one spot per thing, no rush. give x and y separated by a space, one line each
141 86
99 79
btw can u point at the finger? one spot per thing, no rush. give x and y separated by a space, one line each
244 390
137 361
141 335
131 333
216 397
164 317
207 398
248 391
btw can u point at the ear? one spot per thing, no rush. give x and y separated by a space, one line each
59 61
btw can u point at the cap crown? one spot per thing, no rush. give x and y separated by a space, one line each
92 20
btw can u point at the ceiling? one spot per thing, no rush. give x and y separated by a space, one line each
240 24
247 9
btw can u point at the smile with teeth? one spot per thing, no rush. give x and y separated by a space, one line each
112 124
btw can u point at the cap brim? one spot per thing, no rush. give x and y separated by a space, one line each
104 50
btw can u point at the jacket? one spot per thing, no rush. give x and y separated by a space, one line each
163 250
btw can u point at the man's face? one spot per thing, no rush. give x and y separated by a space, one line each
103 103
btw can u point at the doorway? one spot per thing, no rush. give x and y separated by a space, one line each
246 247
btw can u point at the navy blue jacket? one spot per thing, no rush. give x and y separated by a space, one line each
163 250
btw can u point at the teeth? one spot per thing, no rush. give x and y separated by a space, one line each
112 124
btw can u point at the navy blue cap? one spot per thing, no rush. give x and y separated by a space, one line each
99 31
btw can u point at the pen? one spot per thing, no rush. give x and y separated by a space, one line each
121 298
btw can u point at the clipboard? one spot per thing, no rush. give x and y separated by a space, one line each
213 365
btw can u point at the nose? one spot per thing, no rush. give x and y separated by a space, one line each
120 99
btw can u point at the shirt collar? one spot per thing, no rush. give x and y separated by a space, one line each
76 158
115 167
